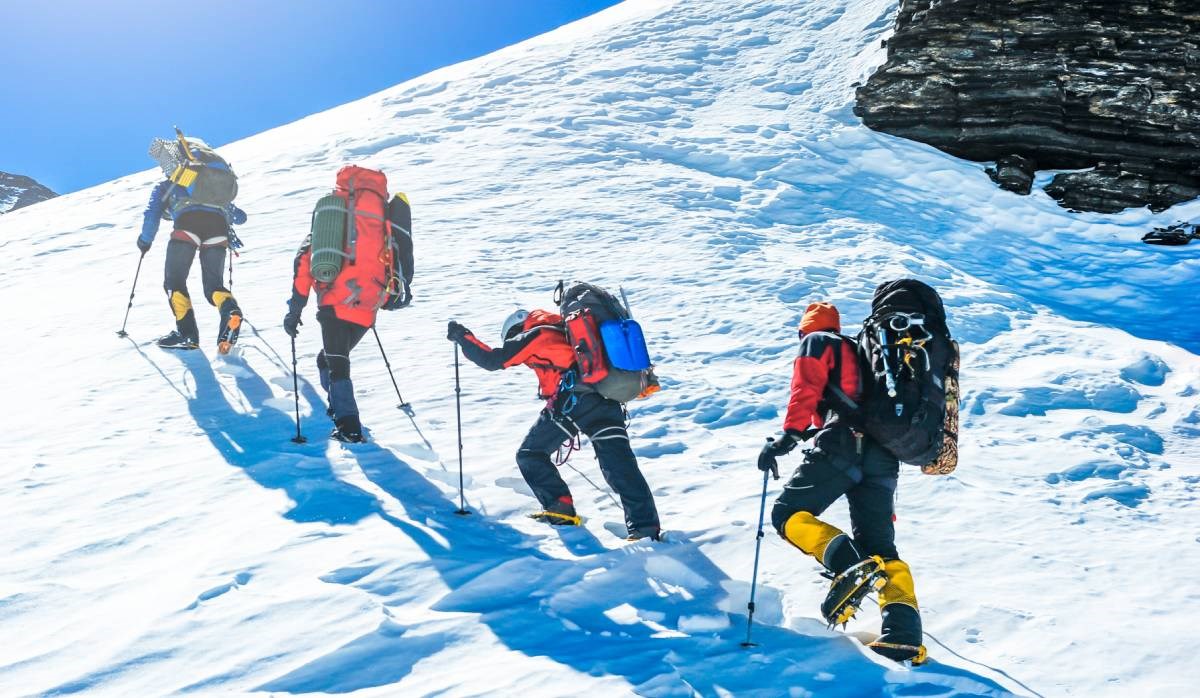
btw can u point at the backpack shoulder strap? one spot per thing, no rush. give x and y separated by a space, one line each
835 397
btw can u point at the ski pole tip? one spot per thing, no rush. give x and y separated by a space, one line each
462 512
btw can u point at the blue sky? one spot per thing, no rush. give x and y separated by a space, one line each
85 85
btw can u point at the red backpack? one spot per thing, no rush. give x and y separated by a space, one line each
367 274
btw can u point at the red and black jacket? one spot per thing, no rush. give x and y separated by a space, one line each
822 355
542 346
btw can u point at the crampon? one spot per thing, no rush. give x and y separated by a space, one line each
848 589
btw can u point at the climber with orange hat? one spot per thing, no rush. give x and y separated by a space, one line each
826 385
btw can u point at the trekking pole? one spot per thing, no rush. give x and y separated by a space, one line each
121 332
462 508
762 510
404 406
299 438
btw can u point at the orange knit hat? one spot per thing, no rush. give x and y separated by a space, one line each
820 316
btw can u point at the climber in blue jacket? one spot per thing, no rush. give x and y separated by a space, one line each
197 227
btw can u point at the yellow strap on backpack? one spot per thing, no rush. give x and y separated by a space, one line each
184 176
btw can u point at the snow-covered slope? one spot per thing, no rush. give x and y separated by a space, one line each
18 191
163 536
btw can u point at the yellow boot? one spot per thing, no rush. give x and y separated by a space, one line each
828 544
900 637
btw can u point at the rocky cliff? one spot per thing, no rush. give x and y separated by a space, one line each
1108 86
17 191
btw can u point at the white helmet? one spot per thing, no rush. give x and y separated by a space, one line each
516 321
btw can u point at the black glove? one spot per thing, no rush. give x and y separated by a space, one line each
772 450
143 245
291 323
456 332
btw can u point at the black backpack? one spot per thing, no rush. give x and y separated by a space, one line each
906 352
399 216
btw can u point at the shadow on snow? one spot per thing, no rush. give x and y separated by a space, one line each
658 616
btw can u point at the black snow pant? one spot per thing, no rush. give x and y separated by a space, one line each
181 250
338 339
603 422
842 461
839 463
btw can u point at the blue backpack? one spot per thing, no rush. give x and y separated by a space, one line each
610 348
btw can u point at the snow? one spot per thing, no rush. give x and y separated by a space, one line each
164 536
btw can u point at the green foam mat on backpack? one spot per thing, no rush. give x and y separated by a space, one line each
328 238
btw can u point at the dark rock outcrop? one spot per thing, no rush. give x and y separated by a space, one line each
1014 173
1067 84
17 191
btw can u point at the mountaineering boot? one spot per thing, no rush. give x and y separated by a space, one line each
640 533
175 340
900 636
186 334
900 651
231 323
848 589
560 513
348 430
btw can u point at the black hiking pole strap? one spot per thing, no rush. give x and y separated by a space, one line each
762 510
403 406
462 506
299 438
121 332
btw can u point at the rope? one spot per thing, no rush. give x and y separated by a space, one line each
1003 673
598 488
274 355
567 450
943 645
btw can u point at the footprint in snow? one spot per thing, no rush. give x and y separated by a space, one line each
240 579
515 484
1130 494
